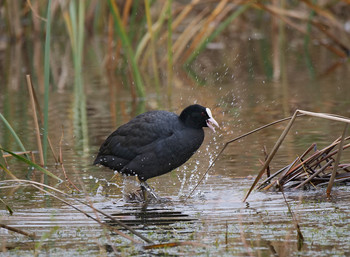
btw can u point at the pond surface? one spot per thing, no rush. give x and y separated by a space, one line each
214 218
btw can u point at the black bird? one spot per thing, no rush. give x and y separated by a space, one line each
155 142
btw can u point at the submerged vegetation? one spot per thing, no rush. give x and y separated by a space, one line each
147 45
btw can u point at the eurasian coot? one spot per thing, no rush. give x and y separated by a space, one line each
155 142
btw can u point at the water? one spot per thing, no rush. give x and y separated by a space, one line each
214 217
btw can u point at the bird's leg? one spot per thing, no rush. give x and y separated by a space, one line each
144 190
147 189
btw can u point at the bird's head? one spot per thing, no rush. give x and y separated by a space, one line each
197 116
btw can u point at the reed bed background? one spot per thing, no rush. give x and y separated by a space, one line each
142 37
148 44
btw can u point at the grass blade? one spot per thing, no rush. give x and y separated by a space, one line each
7 171
14 134
36 166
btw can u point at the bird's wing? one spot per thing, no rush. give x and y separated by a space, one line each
131 138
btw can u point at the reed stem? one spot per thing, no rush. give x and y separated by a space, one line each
336 163
170 64
36 123
272 154
46 82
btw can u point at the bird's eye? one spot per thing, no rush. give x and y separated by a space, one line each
203 114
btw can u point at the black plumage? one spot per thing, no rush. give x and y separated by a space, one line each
155 142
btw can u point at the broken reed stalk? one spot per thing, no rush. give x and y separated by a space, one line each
311 164
41 116
36 123
283 135
336 164
266 155
233 140
315 174
19 231
296 114
325 116
268 179
311 158
272 154
292 167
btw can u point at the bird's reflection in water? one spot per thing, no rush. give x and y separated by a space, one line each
148 214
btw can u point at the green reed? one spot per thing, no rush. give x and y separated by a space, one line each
75 27
170 63
47 80
14 134
32 164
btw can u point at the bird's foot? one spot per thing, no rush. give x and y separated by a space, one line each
149 195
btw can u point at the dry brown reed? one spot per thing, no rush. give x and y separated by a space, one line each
284 134
287 170
35 118
19 231
230 142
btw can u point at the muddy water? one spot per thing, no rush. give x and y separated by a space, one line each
214 217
